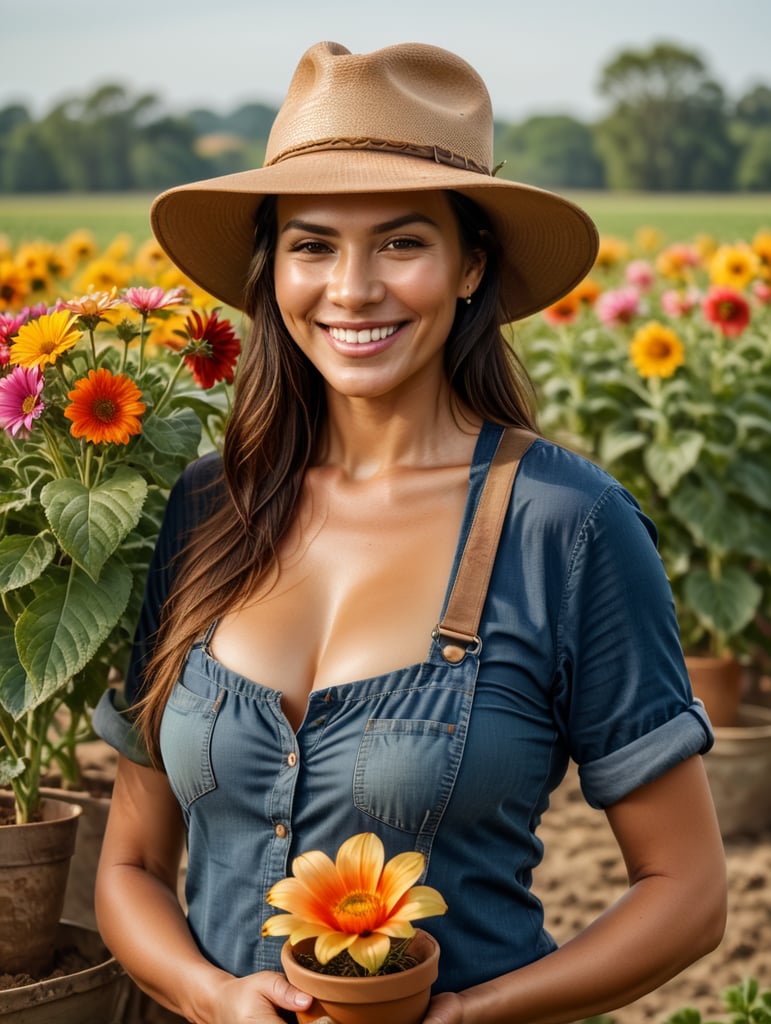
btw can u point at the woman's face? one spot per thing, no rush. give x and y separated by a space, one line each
368 286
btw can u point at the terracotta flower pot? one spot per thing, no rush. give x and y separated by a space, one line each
34 862
380 999
717 682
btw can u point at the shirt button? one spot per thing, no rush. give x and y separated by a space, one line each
280 831
292 759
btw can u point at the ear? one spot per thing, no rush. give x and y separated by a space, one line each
476 262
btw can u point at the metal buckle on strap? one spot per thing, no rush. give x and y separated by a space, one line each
455 646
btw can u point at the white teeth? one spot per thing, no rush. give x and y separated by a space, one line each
352 337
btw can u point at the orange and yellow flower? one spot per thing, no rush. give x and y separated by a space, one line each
734 266
40 342
611 251
761 246
14 286
356 903
656 350
95 307
105 408
678 261
564 311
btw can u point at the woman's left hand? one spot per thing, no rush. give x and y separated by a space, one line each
446 1008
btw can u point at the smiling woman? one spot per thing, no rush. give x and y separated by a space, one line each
290 686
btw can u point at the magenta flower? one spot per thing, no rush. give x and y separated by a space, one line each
11 322
148 300
20 401
762 292
5 352
618 306
676 303
640 274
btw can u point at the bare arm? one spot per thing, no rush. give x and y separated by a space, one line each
672 914
143 924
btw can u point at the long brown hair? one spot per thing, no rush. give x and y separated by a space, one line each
274 434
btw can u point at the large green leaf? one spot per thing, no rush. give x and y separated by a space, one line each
90 523
724 605
751 478
64 626
23 559
712 519
617 443
669 461
177 434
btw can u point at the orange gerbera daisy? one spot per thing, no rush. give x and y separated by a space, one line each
355 904
564 311
656 350
105 408
40 342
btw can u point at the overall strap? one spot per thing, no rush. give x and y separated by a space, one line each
458 632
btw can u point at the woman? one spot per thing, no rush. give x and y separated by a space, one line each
377 256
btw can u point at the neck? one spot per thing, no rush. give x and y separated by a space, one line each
368 438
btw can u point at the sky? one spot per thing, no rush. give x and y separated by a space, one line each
539 57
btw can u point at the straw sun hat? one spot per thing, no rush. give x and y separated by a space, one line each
405 118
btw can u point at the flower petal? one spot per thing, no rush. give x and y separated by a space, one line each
330 944
370 951
399 874
421 901
360 862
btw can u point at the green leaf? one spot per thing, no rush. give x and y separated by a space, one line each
90 523
177 434
726 604
616 444
751 478
714 519
668 462
14 686
23 559
61 629
10 769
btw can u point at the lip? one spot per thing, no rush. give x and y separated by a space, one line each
362 348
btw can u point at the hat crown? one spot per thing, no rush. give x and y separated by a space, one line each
410 95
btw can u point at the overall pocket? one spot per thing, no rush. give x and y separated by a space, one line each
186 729
405 769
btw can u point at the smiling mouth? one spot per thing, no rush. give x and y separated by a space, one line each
363 337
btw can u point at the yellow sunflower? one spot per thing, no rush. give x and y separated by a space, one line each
356 904
105 407
40 342
761 246
656 350
14 286
734 265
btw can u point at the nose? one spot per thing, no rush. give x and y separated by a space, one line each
354 282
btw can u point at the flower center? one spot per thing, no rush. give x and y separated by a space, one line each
359 912
28 405
658 348
104 410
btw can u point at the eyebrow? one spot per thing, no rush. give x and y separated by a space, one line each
377 229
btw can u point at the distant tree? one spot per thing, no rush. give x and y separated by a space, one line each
753 173
551 152
163 154
754 108
668 126
28 163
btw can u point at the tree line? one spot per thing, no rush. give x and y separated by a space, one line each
669 127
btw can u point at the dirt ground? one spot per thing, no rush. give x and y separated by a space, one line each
582 872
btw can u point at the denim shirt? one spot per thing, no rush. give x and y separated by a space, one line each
580 658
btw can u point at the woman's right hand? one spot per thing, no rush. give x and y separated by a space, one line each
254 999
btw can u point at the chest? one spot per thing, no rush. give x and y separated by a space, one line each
359 584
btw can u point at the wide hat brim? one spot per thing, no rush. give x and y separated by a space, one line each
548 244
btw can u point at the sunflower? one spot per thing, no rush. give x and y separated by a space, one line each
105 408
41 341
14 286
610 252
212 349
356 904
761 246
656 350
734 266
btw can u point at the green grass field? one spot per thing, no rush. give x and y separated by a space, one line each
679 217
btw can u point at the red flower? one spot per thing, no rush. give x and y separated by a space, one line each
728 309
212 350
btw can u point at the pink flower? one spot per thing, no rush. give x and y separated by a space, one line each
728 309
640 274
676 303
5 352
762 292
20 401
11 322
148 300
618 306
